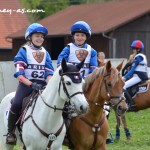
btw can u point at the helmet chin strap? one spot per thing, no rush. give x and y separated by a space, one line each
80 45
37 47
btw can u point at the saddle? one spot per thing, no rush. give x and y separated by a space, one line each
27 102
141 87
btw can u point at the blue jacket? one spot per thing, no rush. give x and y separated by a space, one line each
66 52
21 58
134 65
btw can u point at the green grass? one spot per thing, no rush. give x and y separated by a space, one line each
139 126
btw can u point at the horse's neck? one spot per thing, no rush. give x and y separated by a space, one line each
51 97
95 100
95 113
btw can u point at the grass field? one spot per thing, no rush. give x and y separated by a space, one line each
139 126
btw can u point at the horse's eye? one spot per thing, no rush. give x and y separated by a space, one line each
68 83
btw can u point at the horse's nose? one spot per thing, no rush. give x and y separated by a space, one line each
83 109
122 109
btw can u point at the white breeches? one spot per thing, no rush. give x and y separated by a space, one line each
134 80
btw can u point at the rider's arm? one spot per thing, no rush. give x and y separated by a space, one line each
24 80
125 68
64 54
49 70
93 60
134 65
20 62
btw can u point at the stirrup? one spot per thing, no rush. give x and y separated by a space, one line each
11 139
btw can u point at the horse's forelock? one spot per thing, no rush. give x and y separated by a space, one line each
71 68
114 75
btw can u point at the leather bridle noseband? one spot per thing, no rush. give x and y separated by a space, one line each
110 102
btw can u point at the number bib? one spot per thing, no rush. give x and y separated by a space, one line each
36 63
77 55
37 73
84 71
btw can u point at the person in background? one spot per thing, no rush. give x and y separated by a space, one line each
101 59
79 49
138 71
127 67
33 70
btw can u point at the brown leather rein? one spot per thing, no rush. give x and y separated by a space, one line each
52 136
96 127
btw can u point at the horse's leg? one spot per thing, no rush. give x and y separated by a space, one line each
3 145
117 127
126 130
3 123
3 131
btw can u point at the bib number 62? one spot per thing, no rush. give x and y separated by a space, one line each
36 74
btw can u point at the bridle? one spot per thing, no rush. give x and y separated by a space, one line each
64 86
119 97
61 82
110 100
51 136
96 127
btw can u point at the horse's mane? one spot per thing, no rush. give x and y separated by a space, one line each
97 73
91 77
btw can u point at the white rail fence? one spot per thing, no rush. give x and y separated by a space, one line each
9 84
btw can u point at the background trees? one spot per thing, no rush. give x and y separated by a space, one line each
50 6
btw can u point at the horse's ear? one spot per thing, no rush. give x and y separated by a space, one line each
119 67
108 66
80 65
64 65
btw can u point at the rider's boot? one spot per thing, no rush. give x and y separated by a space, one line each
128 99
11 137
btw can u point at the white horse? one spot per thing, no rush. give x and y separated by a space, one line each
44 127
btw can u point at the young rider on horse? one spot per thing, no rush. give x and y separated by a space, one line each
138 71
79 50
33 69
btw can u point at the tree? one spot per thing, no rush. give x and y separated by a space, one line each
49 7
44 8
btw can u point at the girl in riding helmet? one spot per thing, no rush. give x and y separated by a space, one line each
33 70
79 50
138 71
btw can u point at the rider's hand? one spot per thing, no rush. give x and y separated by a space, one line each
36 86
124 79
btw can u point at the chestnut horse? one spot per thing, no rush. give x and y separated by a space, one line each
90 131
140 101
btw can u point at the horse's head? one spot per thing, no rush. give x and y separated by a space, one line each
105 83
114 88
70 86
